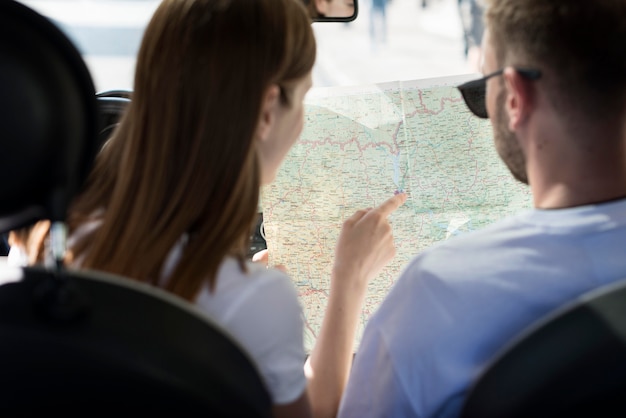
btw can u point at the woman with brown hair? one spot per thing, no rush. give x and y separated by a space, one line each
217 104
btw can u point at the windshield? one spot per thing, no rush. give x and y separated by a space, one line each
411 41
107 32
403 41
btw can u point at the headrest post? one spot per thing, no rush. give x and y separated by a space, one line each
58 242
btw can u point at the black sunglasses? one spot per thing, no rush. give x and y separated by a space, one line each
474 91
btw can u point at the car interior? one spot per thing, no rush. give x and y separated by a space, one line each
95 343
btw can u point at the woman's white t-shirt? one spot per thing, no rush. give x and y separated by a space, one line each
259 308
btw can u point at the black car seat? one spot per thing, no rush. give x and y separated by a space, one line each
571 363
111 107
88 343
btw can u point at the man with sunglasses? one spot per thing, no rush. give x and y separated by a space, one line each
555 92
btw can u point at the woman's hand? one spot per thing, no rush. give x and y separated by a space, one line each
263 257
365 243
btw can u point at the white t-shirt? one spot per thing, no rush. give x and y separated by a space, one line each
260 310
17 256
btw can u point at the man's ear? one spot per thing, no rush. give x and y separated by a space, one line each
519 98
269 106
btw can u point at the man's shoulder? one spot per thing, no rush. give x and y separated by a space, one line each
461 273
470 248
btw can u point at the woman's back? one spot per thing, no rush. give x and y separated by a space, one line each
174 192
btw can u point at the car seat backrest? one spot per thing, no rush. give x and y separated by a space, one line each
570 363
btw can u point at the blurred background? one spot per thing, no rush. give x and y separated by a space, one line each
390 39
400 40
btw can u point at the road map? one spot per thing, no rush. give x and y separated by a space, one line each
359 146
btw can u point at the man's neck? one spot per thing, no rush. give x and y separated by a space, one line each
579 178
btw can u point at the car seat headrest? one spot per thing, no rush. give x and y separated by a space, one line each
110 111
48 118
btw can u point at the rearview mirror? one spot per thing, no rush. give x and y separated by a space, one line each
332 10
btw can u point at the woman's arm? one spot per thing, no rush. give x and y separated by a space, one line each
364 247
300 408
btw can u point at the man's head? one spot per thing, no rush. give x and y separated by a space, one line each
580 43
554 69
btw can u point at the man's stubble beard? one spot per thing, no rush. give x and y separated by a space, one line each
506 142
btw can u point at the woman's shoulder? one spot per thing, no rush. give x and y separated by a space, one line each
249 275
259 307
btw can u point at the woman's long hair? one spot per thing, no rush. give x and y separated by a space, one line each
183 160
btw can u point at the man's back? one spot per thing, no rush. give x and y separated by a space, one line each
460 302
